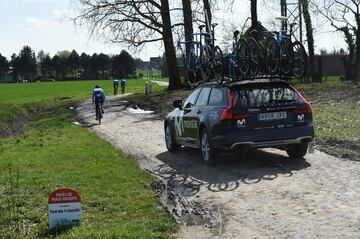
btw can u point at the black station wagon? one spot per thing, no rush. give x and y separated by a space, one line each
239 116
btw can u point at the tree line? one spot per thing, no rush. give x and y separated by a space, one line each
66 65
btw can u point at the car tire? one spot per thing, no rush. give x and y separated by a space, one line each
171 145
207 150
297 151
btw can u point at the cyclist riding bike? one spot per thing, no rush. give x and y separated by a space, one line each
98 98
116 86
123 85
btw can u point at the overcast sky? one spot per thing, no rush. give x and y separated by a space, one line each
41 25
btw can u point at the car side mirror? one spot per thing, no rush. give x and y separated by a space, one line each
178 104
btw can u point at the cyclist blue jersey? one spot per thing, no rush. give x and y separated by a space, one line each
98 94
116 83
123 82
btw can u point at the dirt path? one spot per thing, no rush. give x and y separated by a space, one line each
258 195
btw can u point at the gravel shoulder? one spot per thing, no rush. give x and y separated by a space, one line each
261 194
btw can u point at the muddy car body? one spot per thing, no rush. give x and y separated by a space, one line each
239 116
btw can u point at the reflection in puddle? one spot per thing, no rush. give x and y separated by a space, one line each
76 123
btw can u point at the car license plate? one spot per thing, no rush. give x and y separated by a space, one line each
272 116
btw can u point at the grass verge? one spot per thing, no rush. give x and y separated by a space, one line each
117 197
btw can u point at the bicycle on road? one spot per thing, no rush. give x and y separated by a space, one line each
98 111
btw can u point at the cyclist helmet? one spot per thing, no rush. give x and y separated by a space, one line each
97 86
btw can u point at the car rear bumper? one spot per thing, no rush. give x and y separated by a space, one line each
275 138
274 143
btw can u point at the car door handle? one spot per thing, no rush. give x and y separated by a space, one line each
198 112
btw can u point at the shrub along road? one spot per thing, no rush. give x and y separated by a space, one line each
262 194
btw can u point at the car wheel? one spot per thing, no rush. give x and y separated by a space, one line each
171 145
297 151
207 150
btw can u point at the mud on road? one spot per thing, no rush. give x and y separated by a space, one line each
260 194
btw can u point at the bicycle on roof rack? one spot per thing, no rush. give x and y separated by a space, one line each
192 63
292 55
274 55
211 57
234 64
251 59
205 59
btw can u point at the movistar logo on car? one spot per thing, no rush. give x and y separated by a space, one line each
179 126
301 117
241 123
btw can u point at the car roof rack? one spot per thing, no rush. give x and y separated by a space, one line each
259 79
248 80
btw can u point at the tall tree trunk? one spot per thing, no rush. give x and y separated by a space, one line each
357 51
174 79
207 8
188 25
254 21
309 36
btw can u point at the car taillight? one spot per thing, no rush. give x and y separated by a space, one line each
228 114
307 109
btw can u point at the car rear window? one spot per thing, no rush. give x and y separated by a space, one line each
265 96
203 97
216 96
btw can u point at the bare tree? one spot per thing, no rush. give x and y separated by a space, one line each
133 22
309 36
344 17
188 23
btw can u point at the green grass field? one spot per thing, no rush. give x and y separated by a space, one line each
30 92
117 199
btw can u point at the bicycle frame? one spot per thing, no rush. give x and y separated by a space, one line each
232 58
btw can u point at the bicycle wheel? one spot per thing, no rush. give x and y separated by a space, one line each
286 57
254 56
98 112
186 71
272 57
242 55
205 64
300 60
218 65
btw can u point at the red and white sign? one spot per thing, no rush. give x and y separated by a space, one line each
64 208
